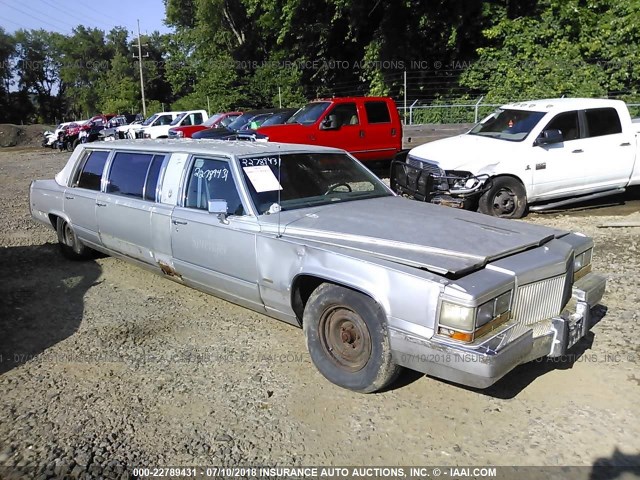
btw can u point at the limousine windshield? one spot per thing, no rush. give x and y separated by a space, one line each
300 180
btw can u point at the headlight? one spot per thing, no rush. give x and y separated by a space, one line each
582 264
467 323
457 316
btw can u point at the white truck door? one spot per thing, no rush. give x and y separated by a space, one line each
609 149
560 168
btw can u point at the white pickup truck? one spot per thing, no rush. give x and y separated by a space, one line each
158 124
539 154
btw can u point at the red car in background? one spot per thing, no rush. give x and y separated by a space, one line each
216 120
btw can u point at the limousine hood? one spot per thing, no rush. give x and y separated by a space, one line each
439 239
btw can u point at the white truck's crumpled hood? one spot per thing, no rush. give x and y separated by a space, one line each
466 152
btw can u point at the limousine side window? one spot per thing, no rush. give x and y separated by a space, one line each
153 175
212 180
134 174
90 175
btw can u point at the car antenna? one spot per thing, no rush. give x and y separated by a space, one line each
279 190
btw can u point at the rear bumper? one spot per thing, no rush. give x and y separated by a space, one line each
481 366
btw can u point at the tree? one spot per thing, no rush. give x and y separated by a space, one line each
38 68
7 53
571 48
85 61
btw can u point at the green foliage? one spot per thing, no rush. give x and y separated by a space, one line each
231 54
119 88
570 48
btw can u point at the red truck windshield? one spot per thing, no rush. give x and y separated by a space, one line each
310 113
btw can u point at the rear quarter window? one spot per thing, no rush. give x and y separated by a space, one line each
377 112
90 174
128 173
603 121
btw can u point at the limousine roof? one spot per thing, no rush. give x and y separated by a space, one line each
224 148
205 146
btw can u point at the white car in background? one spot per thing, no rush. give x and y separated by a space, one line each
158 125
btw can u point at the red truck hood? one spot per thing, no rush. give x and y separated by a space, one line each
189 130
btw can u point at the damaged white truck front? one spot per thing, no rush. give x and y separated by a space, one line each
531 155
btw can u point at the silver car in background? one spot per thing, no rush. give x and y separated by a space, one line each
309 236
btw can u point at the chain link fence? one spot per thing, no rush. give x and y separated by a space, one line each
438 113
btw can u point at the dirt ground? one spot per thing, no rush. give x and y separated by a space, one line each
104 366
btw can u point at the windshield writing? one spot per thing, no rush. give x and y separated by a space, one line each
304 180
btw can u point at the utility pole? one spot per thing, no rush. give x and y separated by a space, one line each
139 57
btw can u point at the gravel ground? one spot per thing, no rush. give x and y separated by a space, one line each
104 366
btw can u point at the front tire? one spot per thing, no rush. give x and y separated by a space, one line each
505 198
70 246
347 339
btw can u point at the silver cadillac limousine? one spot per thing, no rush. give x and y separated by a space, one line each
309 236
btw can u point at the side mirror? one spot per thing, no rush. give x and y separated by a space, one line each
548 137
220 208
329 123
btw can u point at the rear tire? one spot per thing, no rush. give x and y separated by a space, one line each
505 198
70 246
347 339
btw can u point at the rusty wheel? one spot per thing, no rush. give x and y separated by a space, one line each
347 339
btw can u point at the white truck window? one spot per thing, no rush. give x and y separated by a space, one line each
567 123
602 121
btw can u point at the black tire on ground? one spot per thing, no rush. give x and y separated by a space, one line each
506 198
76 142
70 246
347 339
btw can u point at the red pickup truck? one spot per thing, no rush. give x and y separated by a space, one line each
367 127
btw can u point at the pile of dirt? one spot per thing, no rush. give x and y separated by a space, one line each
22 135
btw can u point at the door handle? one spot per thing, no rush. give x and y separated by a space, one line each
361 133
625 144
178 222
579 150
69 197
101 204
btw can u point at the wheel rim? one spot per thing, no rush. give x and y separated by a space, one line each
345 338
504 202
68 236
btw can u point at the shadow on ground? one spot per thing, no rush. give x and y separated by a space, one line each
41 300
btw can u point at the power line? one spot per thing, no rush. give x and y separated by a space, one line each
46 22
71 14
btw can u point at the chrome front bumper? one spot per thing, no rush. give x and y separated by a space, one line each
482 365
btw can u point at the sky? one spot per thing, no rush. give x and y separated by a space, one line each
62 15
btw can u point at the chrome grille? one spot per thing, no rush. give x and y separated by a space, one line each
539 301
425 165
